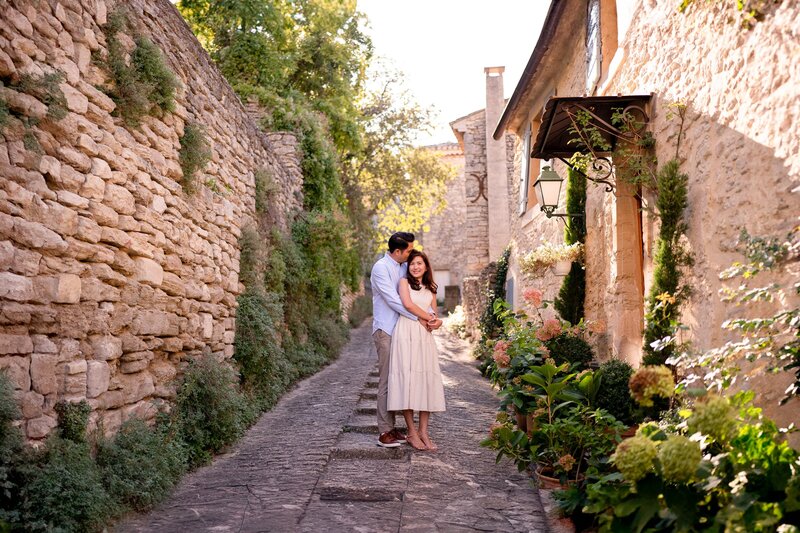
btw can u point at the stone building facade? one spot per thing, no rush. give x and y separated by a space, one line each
475 228
111 276
738 146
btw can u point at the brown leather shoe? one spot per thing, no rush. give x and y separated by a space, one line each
387 440
399 435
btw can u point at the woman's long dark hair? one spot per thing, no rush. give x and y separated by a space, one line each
427 277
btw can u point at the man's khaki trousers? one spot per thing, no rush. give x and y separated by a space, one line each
383 343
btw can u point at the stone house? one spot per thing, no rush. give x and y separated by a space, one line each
737 144
474 228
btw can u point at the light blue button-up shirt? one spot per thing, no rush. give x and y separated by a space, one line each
386 304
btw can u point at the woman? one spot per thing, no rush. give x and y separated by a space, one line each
415 382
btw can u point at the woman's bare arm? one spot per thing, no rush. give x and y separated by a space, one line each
411 307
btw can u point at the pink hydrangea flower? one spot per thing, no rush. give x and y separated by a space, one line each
550 329
533 297
500 356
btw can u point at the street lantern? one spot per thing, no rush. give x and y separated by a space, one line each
548 190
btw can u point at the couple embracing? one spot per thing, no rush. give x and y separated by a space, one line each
404 317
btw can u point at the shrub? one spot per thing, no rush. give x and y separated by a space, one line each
667 292
211 412
3 111
153 73
360 310
266 372
46 88
140 465
569 302
64 490
569 348
614 395
11 451
142 84
72 420
490 324
194 154
457 322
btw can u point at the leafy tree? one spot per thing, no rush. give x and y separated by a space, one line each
401 185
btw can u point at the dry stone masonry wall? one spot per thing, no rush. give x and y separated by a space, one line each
111 276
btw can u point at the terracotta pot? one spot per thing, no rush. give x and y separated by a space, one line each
561 268
630 432
553 483
522 420
530 422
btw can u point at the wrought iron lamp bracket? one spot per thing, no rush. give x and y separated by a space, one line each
604 172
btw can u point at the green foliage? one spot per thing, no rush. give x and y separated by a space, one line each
572 293
614 395
64 490
154 74
211 411
667 292
46 89
749 11
140 465
194 155
72 420
490 322
744 483
4 113
142 83
266 371
774 337
11 452
360 310
566 436
570 348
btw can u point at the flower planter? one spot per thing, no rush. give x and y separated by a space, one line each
548 482
630 432
522 420
561 268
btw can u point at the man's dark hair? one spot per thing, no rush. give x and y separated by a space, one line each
400 241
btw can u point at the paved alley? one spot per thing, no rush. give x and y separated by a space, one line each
311 464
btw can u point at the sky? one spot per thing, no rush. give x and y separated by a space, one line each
442 47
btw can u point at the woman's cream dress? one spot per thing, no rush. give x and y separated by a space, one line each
415 381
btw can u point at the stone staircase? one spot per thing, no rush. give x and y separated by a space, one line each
358 468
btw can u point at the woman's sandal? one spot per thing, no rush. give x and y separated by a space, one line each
415 442
429 444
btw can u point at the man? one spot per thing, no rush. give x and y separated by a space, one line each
386 309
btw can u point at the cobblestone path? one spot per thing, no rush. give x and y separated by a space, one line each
311 463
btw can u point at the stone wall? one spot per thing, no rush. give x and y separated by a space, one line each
445 240
111 276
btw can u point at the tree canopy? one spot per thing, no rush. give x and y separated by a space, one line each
310 65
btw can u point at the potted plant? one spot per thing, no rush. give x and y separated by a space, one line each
537 262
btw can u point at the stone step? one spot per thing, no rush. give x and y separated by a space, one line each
354 445
369 395
364 480
366 407
371 384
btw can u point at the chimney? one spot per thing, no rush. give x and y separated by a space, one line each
496 169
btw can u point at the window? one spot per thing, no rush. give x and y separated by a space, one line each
525 171
593 55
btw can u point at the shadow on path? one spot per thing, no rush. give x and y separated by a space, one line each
312 463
